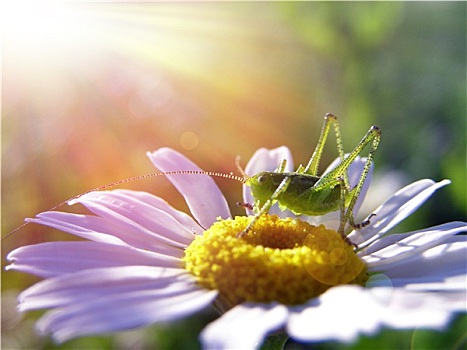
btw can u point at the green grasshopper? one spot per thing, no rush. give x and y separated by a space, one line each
304 192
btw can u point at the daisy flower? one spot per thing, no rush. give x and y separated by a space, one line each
144 262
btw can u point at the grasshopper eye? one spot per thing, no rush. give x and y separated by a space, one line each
262 178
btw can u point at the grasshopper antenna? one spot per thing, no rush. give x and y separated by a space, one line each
137 178
240 169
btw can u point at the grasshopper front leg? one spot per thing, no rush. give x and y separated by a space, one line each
267 205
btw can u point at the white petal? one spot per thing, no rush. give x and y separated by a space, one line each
383 186
443 267
408 309
244 326
201 193
56 258
395 209
409 245
341 314
344 312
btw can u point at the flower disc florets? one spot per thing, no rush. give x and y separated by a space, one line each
283 260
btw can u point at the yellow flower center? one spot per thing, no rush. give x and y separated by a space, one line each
284 260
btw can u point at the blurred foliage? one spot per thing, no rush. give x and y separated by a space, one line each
81 106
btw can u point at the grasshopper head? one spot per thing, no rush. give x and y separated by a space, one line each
263 185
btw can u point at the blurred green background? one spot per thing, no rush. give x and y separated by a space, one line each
88 88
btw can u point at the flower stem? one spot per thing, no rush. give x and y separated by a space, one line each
275 341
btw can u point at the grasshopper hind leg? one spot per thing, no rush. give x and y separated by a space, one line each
347 216
372 136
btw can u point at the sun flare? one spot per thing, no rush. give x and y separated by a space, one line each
44 28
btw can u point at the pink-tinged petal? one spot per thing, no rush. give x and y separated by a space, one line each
121 313
410 245
128 217
90 285
106 231
159 203
269 160
341 314
125 306
56 258
403 203
85 226
135 216
244 326
205 200
266 160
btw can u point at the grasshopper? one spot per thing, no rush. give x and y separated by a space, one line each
303 192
